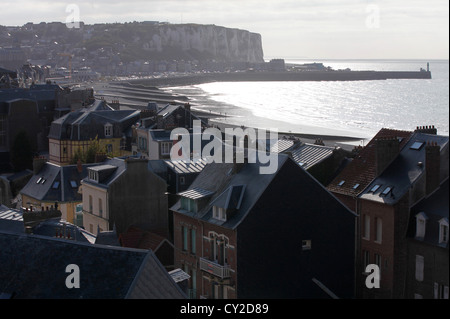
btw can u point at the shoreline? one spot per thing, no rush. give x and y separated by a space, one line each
137 96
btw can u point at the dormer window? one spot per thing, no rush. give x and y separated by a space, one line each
443 231
421 220
108 130
219 213
93 175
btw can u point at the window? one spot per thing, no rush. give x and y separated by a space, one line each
440 291
100 207
182 180
55 185
165 148
375 188
93 175
443 231
108 130
90 204
73 184
378 230
378 261
366 256
417 146
421 220
219 213
185 238
109 148
386 191
366 229
193 241
419 267
306 244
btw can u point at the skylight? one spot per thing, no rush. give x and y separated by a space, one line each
375 188
39 180
55 185
356 186
341 183
73 184
417 146
386 190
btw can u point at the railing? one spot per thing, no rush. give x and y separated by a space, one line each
214 268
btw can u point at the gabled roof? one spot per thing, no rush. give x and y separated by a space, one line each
35 267
362 170
403 172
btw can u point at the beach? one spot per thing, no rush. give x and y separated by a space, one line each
138 95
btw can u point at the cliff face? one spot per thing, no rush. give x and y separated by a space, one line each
207 40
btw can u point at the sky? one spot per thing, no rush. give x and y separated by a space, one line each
309 29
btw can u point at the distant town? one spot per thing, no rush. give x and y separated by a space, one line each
95 202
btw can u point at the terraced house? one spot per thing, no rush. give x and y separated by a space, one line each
241 234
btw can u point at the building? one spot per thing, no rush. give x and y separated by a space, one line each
71 135
153 138
53 185
428 231
40 267
381 185
122 192
242 234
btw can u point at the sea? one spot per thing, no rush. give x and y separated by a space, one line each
351 108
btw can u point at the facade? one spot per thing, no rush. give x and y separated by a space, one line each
122 192
399 172
428 232
232 218
74 133
153 134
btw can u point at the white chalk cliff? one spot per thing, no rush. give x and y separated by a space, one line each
208 40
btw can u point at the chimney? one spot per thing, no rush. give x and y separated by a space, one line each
38 163
187 107
429 129
387 150
79 166
432 166
115 104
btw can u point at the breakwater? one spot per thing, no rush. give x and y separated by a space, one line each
200 78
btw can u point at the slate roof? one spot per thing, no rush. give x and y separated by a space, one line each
226 181
362 170
183 167
308 155
435 207
35 267
85 124
56 183
114 167
403 172
11 220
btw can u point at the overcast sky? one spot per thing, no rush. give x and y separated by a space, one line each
326 29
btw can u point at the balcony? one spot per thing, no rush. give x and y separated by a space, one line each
214 268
